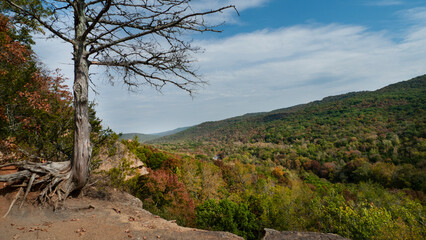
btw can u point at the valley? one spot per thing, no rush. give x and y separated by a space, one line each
352 164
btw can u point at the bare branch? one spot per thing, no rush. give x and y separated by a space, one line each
94 2
155 29
43 23
98 17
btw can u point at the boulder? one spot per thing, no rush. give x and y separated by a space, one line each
271 234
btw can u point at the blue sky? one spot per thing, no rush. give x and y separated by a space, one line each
276 54
377 15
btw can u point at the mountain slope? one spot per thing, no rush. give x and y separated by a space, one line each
141 137
384 106
350 137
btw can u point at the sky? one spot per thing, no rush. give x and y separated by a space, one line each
274 54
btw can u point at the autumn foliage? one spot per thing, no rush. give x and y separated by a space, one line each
162 190
35 105
12 52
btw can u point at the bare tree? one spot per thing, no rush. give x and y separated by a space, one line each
145 41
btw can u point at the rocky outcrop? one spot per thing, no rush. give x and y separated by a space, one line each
272 234
122 153
103 213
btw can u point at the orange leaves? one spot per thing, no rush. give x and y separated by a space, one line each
11 52
36 101
35 105
14 53
4 22
277 172
163 190
42 94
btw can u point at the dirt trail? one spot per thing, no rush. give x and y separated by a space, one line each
107 214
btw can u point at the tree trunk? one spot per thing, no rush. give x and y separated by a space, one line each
82 147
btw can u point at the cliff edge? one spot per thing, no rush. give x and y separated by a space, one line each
106 214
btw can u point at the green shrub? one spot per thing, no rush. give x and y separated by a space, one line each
227 216
118 174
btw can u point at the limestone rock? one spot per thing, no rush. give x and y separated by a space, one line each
272 234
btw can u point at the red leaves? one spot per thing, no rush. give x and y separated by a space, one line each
35 100
164 190
35 105
11 52
31 92
43 89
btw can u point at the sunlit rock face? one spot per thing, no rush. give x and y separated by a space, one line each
109 162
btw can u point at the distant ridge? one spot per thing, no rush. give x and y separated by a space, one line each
148 137
162 134
141 137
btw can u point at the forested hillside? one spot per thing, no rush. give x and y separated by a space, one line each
352 164
149 137
343 138
380 111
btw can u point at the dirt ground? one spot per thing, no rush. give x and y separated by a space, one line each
106 214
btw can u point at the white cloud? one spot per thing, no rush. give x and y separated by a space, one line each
416 15
299 55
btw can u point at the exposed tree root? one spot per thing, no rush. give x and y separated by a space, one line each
54 179
13 202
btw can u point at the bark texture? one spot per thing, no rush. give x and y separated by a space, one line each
82 147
